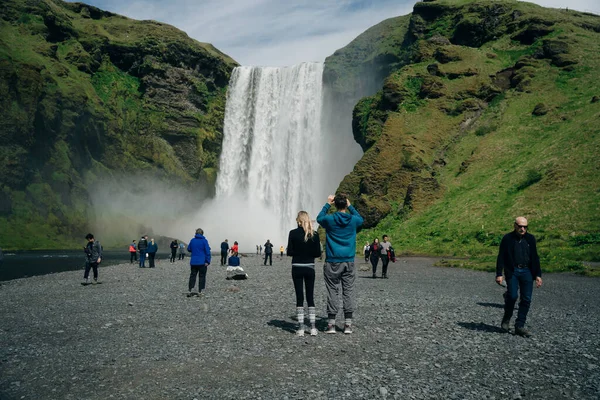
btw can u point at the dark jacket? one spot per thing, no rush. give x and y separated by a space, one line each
200 250
93 251
341 233
234 261
142 245
268 248
303 252
374 252
506 256
224 247
174 245
152 248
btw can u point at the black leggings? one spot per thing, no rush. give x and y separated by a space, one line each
88 266
223 258
374 262
133 256
270 257
173 254
151 259
304 275
384 264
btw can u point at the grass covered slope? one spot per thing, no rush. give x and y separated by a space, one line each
88 94
496 115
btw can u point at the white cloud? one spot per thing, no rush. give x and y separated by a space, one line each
277 32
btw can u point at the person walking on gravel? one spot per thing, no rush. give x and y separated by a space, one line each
93 252
303 246
339 267
199 262
518 258
385 258
173 246
268 252
374 251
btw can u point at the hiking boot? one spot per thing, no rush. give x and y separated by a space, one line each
374 276
313 331
504 324
330 329
347 329
95 280
522 332
191 294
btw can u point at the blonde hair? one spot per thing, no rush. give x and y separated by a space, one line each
303 220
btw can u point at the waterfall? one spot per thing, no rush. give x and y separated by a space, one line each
273 143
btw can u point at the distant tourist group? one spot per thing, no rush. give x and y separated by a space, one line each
517 264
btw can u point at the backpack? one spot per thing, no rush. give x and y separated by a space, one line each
392 254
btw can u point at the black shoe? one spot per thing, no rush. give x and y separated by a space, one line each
504 324
522 332
374 276
384 276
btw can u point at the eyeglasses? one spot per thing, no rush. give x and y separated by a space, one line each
521 226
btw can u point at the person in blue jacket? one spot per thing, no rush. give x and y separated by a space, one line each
340 247
151 250
199 262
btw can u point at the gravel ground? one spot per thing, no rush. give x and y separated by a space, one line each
425 333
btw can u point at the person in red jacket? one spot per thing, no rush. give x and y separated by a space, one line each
132 252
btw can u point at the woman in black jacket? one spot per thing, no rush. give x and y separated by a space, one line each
374 253
303 246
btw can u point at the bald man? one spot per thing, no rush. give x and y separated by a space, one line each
519 260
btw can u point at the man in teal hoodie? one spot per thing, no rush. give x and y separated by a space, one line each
340 248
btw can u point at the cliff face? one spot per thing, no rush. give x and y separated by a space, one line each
479 120
88 94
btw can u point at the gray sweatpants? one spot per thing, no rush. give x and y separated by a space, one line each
336 273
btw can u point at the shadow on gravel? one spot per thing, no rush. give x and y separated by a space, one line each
481 327
493 305
288 326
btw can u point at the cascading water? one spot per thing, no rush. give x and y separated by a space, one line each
273 142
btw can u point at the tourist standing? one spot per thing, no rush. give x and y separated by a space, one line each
181 254
235 248
518 258
268 252
152 249
199 262
303 246
142 247
339 267
173 246
132 252
93 252
224 251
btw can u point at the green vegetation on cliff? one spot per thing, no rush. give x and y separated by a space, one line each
494 114
86 94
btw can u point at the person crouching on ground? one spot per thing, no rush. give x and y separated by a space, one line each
93 252
340 247
199 262
303 246
519 259
234 260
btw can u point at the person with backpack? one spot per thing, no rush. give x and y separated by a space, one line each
93 252
142 247
268 252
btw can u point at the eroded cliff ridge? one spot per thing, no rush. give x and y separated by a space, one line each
489 111
87 94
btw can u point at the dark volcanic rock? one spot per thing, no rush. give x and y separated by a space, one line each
540 109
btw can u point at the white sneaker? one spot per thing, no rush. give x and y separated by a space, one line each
330 329
300 332
348 329
313 331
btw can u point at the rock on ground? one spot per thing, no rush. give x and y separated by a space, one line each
424 333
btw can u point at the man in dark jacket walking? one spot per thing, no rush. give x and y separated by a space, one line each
199 262
224 251
340 248
519 260
93 252
142 247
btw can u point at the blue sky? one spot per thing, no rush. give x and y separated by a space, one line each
280 32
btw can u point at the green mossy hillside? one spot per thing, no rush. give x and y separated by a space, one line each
494 115
86 94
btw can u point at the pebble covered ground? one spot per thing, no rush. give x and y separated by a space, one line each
425 333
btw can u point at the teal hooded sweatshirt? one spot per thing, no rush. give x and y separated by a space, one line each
341 233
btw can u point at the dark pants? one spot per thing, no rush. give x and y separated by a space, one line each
374 262
133 257
93 266
198 269
181 255
385 260
142 258
270 257
523 281
173 255
366 256
223 258
304 275
151 259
